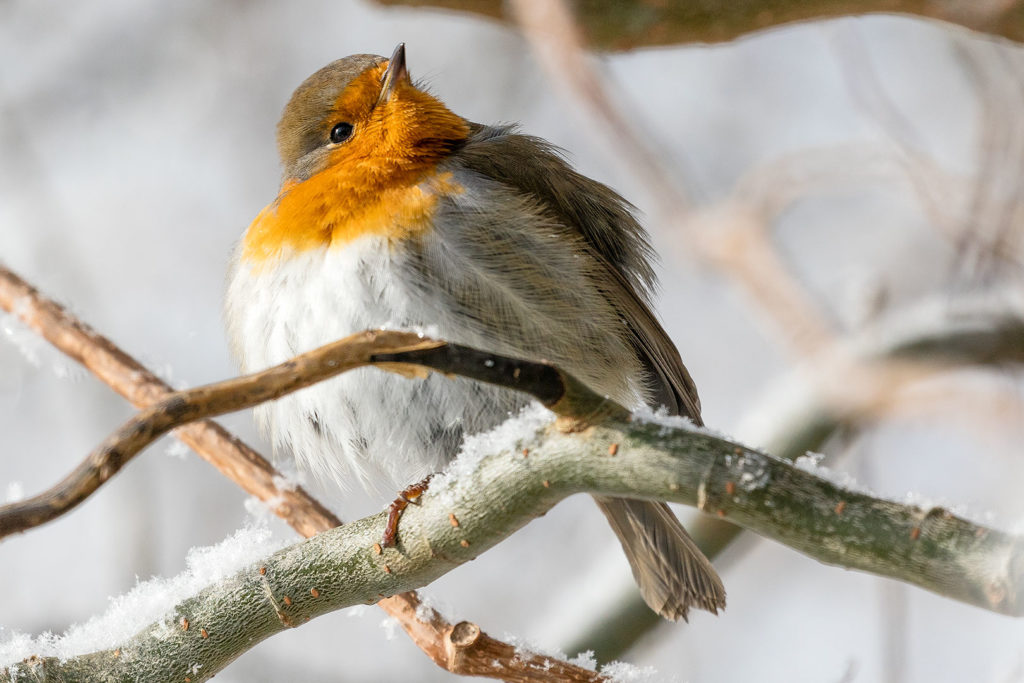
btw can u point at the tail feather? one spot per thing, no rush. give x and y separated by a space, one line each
670 569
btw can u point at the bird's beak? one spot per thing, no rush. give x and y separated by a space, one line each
395 73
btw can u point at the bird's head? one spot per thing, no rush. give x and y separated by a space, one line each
365 111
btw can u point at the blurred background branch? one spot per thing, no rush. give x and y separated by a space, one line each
735 236
629 24
805 186
794 418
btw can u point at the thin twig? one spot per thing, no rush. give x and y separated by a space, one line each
186 406
553 34
991 234
122 373
739 247
733 237
376 347
428 629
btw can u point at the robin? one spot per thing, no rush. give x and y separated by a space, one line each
395 212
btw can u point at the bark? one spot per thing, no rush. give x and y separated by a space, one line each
500 492
594 446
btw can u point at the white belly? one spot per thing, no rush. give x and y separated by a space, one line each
367 426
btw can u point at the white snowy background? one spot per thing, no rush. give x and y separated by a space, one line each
136 144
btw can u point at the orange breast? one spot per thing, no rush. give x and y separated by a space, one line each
333 207
384 181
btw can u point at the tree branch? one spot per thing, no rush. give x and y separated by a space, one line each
122 373
627 24
446 644
496 494
182 407
404 352
942 567
792 418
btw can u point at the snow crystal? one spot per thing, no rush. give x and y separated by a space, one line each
430 605
985 517
620 672
921 500
15 492
584 660
753 474
811 463
623 672
26 341
177 449
660 416
425 612
149 601
644 415
421 331
287 481
34 348
390 626
525 649
262 510
509 435
357 610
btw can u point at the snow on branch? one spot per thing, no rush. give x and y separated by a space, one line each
501 483
792 416
461 648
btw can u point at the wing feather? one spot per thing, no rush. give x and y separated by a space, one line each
609 229
601 228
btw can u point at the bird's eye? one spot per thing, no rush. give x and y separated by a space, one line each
341 132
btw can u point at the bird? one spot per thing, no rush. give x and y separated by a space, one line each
394 212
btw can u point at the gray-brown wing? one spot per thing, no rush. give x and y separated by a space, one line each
670 383
609 228
530 188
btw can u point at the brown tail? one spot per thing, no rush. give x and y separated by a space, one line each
670 569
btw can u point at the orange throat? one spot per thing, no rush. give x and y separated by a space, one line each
334 208
383 182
